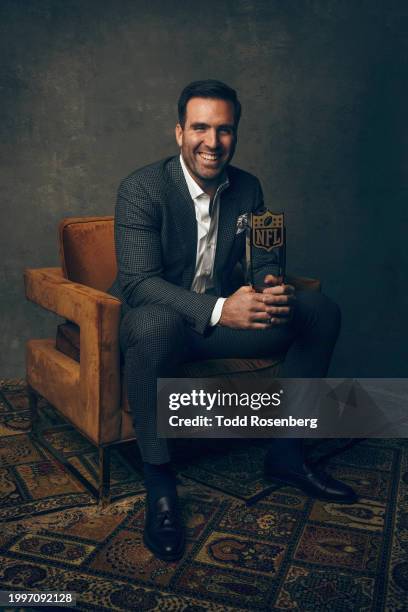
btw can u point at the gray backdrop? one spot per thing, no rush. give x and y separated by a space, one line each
88 93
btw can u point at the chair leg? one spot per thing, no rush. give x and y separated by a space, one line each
104 466
33 406
102 493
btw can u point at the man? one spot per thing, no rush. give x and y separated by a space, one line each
177 244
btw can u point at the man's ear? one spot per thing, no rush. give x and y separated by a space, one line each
179 134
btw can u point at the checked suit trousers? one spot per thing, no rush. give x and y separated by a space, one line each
154 338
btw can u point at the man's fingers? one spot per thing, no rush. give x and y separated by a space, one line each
258 297
257 303
259 326
271 317
260 316
279 310
271 279
279 289
272 300
266 322
277 305
245 289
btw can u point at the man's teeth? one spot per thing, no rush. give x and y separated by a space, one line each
209 156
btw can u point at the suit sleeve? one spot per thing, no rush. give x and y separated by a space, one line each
139 259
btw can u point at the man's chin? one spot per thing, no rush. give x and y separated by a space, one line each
207 174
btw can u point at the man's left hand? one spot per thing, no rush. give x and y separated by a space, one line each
280 299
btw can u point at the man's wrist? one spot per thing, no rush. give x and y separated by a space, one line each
217 311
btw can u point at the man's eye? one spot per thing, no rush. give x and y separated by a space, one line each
199 128
225 130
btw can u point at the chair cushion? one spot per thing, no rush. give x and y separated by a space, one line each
87 251
68 340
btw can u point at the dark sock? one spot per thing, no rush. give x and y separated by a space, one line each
160 481
285 453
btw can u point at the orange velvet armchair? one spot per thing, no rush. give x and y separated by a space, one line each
78 372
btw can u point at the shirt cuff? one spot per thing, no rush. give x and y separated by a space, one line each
216 313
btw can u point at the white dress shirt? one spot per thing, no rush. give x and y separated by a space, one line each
207 231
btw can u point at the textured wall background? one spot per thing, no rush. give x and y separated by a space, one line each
88 92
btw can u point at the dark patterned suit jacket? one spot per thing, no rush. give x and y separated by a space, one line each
156 239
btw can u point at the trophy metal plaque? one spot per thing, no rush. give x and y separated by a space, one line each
265 247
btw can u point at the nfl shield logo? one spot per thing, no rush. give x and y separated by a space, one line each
267 230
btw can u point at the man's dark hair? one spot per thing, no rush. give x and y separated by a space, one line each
208 89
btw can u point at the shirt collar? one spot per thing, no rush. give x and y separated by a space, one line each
194 188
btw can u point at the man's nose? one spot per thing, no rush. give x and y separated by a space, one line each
211 139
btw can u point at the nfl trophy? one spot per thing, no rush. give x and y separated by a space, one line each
265 251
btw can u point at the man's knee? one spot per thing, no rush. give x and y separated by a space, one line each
155 325
325 305
316 307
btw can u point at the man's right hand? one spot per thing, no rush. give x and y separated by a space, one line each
247 309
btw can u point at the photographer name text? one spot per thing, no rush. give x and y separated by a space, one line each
252 420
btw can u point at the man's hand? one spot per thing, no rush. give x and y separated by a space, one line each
247 309
279 297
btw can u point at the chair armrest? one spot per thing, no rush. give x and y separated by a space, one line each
51 290
98 316
302 283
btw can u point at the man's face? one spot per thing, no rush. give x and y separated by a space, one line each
208 139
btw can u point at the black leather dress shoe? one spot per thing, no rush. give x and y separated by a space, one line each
164 532
312 481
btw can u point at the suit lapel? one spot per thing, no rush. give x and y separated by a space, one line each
226 228
183 214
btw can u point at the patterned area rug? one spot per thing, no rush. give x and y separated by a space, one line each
285 552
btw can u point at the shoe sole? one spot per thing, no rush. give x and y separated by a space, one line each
174 557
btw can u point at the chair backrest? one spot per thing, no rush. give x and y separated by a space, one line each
87 251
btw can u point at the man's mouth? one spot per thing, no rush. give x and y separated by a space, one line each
212 157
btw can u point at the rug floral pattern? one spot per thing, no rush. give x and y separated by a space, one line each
285 552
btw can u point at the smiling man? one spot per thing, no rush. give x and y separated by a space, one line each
207 137
178 240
